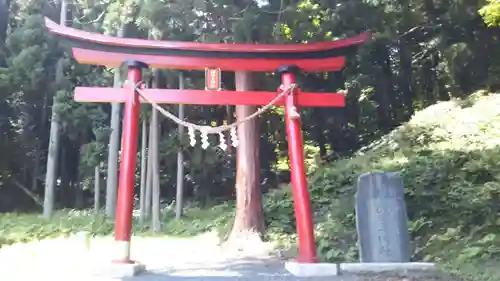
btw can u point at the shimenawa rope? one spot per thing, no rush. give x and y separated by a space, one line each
206 130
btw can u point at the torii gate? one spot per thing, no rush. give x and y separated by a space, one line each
286 60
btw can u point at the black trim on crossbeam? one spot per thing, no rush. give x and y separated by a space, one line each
335 52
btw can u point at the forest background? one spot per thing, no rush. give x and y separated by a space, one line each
422 52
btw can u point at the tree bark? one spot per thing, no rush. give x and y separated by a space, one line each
54 141
97 189
249 220
318 131
380 95
155 198
405 79
149 172
179 196
113 147
36 169
229 119
353 110
4 20
142 195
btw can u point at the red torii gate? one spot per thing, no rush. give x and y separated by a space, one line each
287 60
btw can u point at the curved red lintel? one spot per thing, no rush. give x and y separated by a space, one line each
113 59
100 39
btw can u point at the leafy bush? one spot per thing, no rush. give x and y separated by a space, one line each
449 156
16 228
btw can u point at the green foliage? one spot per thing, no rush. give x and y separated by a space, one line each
25 227
422 52
15 227
198 220
30 52
449 156
491 13
480 270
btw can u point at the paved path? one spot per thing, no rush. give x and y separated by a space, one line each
166 259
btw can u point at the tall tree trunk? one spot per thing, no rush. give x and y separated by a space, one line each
97 189
229 120
389 87
114 147
405 79
318 131
78 188
155 198
385 88
353 111
428 83
179 195
249 220
65 174
76 185
25 173
4 20
36 169
142 195
380 96
53 151
149 172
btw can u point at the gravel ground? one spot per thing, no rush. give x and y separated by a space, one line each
166 259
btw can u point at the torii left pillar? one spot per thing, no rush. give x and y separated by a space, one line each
126 181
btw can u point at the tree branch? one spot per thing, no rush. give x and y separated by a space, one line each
28 192
418 28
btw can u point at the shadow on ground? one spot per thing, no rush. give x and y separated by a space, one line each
241 269
270 270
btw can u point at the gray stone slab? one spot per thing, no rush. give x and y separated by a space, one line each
375 267
334 269
381 218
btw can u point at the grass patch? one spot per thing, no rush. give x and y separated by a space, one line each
199 220
16 227
476 270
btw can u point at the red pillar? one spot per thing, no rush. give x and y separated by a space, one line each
301 198
126 182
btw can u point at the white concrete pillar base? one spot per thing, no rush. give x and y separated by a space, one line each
119 270
334 269
312 269
121 251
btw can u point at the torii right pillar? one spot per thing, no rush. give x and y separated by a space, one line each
301 197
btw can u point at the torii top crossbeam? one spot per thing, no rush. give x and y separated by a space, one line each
97 49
